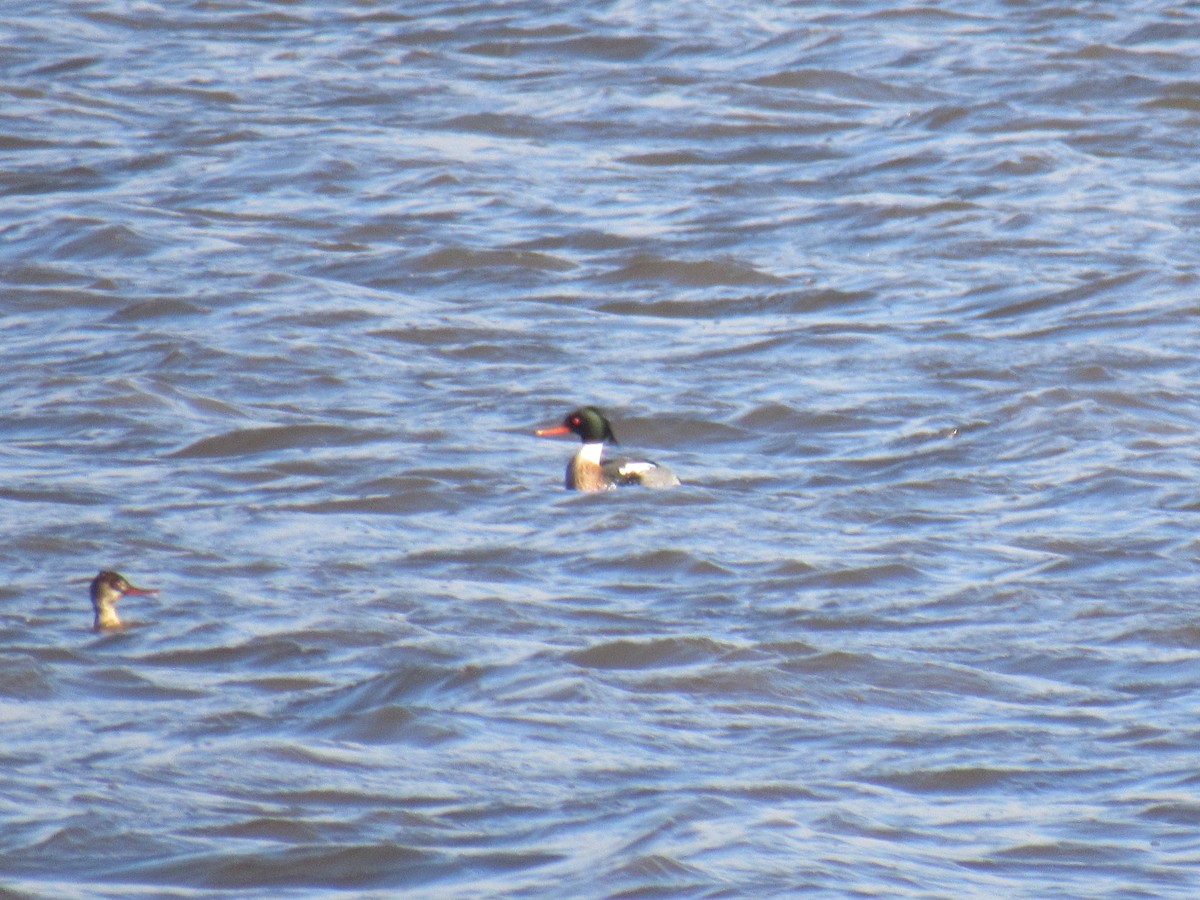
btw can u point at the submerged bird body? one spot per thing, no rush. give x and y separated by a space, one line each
589 471
107 589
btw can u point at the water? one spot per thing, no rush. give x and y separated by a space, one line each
905 294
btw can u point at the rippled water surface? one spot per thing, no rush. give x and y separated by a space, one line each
906 294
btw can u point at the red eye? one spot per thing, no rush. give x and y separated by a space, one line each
574 420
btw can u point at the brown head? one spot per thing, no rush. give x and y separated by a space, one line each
107 588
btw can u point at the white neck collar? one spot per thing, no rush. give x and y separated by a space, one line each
591 452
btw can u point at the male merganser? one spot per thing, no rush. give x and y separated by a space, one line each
586 471
107 589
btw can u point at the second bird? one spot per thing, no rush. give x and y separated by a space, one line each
107 589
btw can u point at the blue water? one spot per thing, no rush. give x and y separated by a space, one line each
905 294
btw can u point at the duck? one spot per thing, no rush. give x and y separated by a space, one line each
107 588
588 471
